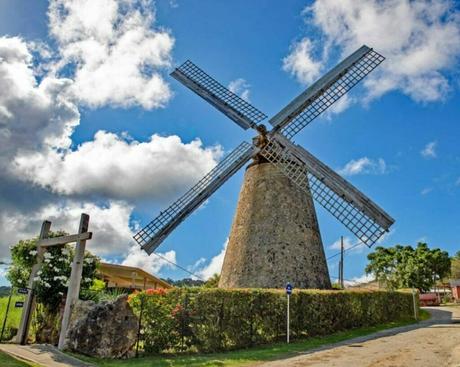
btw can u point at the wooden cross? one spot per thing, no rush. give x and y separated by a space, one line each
75 276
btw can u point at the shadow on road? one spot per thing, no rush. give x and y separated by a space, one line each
440 318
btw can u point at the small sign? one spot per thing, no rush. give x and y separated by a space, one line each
23 290
288 289
19 304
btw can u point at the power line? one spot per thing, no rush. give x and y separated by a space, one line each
350 248
178 266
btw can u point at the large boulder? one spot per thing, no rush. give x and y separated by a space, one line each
106 330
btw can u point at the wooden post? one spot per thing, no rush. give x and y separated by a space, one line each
342 284
29 303
75 279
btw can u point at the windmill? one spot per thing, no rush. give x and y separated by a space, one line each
269 242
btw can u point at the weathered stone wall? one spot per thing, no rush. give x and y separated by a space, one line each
275 236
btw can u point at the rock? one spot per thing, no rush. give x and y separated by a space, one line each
105 330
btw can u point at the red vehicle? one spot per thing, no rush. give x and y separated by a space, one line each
429 299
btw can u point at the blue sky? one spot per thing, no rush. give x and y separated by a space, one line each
396 138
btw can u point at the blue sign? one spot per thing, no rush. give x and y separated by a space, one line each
288 289
23 290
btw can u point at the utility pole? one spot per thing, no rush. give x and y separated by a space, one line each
341 263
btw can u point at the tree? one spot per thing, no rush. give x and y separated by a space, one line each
52 280
212 282
455 266
406 267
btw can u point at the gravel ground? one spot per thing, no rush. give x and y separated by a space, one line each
435 342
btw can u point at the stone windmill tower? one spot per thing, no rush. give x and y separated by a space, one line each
275 236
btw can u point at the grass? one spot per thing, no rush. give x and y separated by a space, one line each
14 314
7 361
250 355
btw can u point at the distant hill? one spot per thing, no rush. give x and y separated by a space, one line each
186 282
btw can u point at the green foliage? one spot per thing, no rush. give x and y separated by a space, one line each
212 320
212 282
455 267
14 315
406 267
52 279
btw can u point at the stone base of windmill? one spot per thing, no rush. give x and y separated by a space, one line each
105 330
275 236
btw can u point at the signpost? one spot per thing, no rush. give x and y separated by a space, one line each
288 294
19 304
23 291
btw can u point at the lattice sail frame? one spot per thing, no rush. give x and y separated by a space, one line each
327 90
367 222
289 121
150 237
236 108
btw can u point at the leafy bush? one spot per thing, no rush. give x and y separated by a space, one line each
218 319
52 279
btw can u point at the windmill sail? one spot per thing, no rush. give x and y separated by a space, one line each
356 211
158 229
327 90
234 107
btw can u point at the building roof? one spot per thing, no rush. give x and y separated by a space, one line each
123 276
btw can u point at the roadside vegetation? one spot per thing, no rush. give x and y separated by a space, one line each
250 355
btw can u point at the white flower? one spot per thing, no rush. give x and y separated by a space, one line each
88 260
47 261
88 280
60 293
47 285
39 272
20 281
33 252
65 251
36 279
47 255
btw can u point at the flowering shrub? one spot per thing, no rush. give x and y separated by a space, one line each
52 280
218 319
158 324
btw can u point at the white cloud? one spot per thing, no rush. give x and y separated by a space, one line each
113 167
150 263
426 191
425 45
213 267
364 165
240 87
365 278
112 51
108 53
429 151
32 114
348 245
300 62
110 224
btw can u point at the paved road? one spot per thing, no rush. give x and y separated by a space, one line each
42 355
435 342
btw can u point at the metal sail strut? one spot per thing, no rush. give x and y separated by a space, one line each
150 237
234 107
351 207
327 90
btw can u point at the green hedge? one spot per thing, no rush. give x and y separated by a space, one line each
217 319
